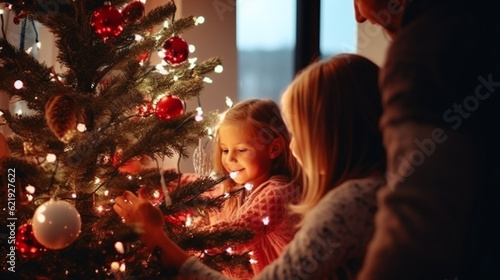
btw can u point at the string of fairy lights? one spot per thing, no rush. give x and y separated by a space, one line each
101 196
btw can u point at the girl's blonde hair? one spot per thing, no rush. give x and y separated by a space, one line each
332 108
264 117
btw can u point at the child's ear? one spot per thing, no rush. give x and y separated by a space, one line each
275 148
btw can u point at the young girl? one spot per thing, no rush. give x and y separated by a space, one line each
253 141
332 109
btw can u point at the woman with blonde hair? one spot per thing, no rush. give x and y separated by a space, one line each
332 109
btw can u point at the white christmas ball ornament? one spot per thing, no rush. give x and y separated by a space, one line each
56 224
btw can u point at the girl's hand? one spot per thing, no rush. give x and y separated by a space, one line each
137 210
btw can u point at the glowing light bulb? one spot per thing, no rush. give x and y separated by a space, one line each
229 102
265 221
122 267
248 186
233 174
73 195
229 250
19 112
138 37
189 221
119 247
192 48
51 157
218 69
81 127
207 80
199 20
115 266
18 84
30 189
99 208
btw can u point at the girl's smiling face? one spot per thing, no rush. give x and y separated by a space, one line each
243 150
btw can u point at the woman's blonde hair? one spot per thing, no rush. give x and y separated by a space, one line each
264 116
332 108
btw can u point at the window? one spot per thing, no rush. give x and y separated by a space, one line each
337 27
265 36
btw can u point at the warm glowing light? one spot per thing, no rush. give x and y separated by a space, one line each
189 221
51 157
30 189
30 197
73 195
161 54
19 112
81 127
229 102
156 194
265 221
97 180
122 267
233 174
252 261
226 195
229 250
176 78
39 45
207 80
248 186
28 51
115 266
138 37
192 60
119 247
18 84
192 48
199 20
166 24
129 177
198 118
218 69
106 193
100 208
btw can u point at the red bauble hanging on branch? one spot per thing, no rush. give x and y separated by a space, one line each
176 51
133 12
107 21
26 243
169 107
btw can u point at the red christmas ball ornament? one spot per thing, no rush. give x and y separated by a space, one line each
107 21
133 12
26 243
176 51
169 107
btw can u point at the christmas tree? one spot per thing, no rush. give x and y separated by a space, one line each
88 127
